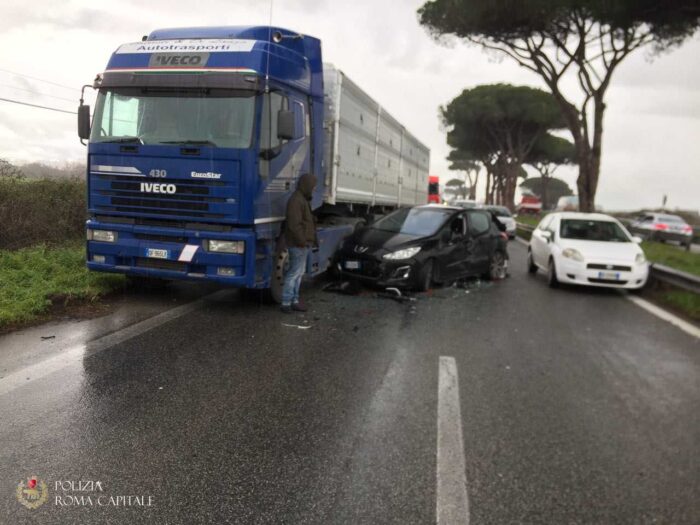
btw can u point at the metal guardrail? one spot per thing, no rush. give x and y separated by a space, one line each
682 280
659 272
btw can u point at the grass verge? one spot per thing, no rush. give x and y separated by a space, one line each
530 220
687 304
672 256
32 280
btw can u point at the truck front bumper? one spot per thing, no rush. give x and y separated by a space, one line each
163 253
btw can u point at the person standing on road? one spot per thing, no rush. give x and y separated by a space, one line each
300 235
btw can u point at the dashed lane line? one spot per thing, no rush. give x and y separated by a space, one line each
452 498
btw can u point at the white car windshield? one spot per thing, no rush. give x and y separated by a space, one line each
590 230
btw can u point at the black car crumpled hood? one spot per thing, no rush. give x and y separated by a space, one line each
379 242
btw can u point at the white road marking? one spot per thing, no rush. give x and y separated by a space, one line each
666 316
452 499
76 353
522 241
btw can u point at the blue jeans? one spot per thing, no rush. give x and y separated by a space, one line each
292 279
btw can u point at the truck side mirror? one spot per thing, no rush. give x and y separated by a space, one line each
84 121
285 125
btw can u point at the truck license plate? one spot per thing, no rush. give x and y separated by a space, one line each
157 254
610 276
352 265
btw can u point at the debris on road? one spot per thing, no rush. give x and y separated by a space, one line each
45 337
344 287
299 326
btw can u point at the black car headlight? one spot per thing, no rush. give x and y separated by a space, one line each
399 255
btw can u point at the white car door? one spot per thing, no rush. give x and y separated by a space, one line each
539 243
550 242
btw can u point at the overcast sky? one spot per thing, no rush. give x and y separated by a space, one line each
652 126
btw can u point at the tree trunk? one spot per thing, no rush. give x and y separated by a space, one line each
472 189
587 156
487 195
545 197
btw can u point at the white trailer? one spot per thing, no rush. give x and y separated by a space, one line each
370 158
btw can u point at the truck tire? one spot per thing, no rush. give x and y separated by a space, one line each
280 264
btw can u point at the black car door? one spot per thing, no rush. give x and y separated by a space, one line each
482 241
453 252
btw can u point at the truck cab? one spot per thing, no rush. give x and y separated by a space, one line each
196 142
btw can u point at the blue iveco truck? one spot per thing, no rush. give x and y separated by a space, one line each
196 143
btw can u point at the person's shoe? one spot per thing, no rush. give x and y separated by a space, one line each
299 307
286 309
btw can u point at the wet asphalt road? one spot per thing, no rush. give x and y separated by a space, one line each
577 407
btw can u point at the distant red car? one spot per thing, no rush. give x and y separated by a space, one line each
529 204
434 189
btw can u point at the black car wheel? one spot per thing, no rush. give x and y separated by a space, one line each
531 266
552 275
425 277
498 267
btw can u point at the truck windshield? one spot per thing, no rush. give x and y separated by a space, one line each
214 117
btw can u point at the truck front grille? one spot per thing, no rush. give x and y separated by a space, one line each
201 199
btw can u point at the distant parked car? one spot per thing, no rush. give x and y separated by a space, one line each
416 247
529 204
568 203
588 249
662 227
505 217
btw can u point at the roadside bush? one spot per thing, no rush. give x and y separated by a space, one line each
47 211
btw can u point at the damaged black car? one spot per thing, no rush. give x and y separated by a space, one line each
425 245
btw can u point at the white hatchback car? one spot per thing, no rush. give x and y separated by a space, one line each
587 248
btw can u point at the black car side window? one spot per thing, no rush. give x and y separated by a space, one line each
479 223
457 226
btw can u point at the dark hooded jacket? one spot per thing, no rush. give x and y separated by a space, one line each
300 228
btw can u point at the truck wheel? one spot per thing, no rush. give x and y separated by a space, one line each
425 277
531 266
281 264
552 280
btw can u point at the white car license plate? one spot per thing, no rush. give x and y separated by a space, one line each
352 265
609 276
157 254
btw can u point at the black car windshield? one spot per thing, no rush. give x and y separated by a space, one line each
413 221
211 117
500 211
587 230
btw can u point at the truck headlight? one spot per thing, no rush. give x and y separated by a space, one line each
237 247
570 253
640 259
102 235
406 253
